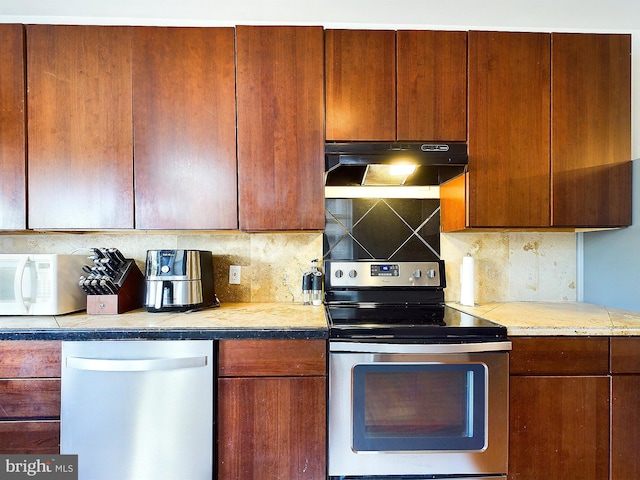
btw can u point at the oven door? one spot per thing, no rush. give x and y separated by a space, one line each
418 409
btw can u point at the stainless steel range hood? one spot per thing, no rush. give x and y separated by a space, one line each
402 169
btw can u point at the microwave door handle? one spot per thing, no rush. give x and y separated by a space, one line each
17 285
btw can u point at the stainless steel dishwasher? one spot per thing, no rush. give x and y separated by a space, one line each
136 410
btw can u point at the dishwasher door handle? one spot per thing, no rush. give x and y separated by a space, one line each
141 365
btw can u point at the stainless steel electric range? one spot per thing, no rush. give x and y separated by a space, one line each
417 389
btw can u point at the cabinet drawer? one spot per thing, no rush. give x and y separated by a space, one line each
625 355
30 359
30 437
559 356
29 399
263 358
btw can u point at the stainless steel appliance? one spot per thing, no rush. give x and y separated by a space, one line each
40 284
416 389
137 410
179 280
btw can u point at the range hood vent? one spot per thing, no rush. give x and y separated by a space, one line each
373 164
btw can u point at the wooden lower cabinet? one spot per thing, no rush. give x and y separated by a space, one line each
271 421
559 408
625 408
30 397
559 427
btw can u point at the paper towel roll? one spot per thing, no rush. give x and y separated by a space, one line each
467 275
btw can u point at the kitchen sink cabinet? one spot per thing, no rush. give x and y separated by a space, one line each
280 118
13 198
80 160
559 408
272 409
29 397
549 133
184 128
625 405
385 85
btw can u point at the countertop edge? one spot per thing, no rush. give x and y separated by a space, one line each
162 334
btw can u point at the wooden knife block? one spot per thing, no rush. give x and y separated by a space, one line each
130 296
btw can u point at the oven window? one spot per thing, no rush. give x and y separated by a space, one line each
411 407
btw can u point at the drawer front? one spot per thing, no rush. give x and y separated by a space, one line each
29 399
559 356
29 437
264 358
30 359
625 354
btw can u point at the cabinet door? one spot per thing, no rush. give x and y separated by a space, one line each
13 206
80 168
559 427
272 428
509 129
184 128
280 128
625 405
432 85
591 113
625 427
360 84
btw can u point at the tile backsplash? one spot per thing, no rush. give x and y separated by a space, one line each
382 229
509 266
271 264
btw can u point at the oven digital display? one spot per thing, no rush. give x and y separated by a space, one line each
385 270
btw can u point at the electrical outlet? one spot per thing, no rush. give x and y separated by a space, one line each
234 274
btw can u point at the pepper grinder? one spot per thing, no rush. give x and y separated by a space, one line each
306 288
316 288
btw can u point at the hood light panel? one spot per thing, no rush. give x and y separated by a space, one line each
393 174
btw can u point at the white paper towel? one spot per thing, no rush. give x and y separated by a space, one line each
467 276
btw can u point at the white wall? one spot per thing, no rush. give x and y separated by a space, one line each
614 15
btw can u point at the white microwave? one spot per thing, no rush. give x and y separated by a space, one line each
41 284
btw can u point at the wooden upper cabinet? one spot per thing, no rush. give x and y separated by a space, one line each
360 84
80 166
13 206
386 86
432 85
509 129
280 108
591 119
549 133
184 128
559 402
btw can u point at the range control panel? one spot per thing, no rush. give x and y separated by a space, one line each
371 274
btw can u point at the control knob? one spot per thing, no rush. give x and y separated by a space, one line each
431 273
339 273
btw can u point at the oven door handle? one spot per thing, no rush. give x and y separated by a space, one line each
367 347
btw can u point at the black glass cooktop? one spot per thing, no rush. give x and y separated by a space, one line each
438 322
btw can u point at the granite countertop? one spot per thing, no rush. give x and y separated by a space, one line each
230 320
559 319
289 320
